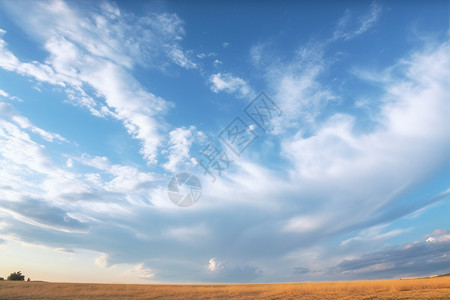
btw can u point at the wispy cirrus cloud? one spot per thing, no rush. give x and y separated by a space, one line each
350 26
7 112
100 49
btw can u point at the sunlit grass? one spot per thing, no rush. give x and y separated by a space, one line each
428 288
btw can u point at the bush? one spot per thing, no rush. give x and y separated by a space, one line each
16 276
1 278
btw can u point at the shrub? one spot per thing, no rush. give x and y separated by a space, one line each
16 276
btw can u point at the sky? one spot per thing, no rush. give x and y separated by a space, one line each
208 141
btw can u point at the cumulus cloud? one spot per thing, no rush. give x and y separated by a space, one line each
102 260
232 273
228 83
238 273
214 265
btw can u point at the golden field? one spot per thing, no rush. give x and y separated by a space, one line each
426 288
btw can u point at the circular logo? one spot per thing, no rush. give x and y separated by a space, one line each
184 189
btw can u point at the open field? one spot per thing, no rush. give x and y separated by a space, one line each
428 288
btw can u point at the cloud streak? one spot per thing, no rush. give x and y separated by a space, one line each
349 27
421 258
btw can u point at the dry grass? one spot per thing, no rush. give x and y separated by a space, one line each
428 288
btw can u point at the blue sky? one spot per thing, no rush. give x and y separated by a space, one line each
102 103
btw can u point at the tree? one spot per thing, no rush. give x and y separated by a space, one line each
16 276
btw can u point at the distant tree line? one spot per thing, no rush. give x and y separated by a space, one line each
16 276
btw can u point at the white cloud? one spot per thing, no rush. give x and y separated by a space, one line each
439 236
4 94
367 170
102 260
214 265
125 179
179 57
28 172
413 116
98 50
230 84
373 234
217 63
69 163
340 177
48 135
18 147
24 123
41 72
304 224
180 141
140 271
296 85
55 197
203 55
137 108
354 176
349 27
